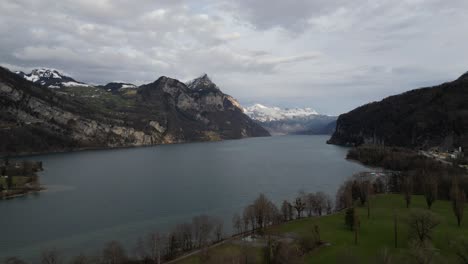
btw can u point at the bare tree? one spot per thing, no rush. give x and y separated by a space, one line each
357 226
50 256
171 245
344 196
203 226
218 229
82 259
150 249
350 218
421 224
187 238
261 206
274 215
309 200
460 246
285 211
422 253
430 187
299 205
329 205
379 185
320 203
183 233
114 253
291 211
407 189
248 217
458 200
237 223
154 246
395 228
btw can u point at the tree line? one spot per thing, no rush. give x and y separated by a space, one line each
263 212
153 248
423 172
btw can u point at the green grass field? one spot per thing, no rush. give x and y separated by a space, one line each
375 233
16 181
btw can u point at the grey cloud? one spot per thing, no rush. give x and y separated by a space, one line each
331 55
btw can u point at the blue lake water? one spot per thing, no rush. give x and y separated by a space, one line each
97 196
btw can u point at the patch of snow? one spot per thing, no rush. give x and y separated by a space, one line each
31 78
128 86
74 84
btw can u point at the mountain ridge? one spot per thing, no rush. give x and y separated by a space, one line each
35 119
427 117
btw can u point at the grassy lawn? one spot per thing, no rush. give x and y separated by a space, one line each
100 99
16 181
375 234
220 253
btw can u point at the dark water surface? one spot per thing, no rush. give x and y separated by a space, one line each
97 196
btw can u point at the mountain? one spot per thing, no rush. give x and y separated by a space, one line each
282 121
50 78
35 119
422 118
265 114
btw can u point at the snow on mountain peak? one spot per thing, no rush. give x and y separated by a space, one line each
201 83
264 113
51 78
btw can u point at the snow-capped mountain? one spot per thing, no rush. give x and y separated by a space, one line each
50 78
282 121
264 113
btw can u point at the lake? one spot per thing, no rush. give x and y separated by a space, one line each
97 196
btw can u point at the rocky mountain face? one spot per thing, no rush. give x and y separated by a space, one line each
423 118
283 121
34 119
202 83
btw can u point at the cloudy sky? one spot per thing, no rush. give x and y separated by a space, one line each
332 55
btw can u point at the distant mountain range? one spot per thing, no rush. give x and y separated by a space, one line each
47 111
283 121
422 118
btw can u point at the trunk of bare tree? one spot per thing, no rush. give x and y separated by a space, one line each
395 228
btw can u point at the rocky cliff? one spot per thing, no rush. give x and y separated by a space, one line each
34 119
422 118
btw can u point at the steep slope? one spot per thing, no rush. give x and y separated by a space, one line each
35 119
200 110
283 121
423 118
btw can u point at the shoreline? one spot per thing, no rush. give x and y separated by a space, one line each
23 193
30 154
